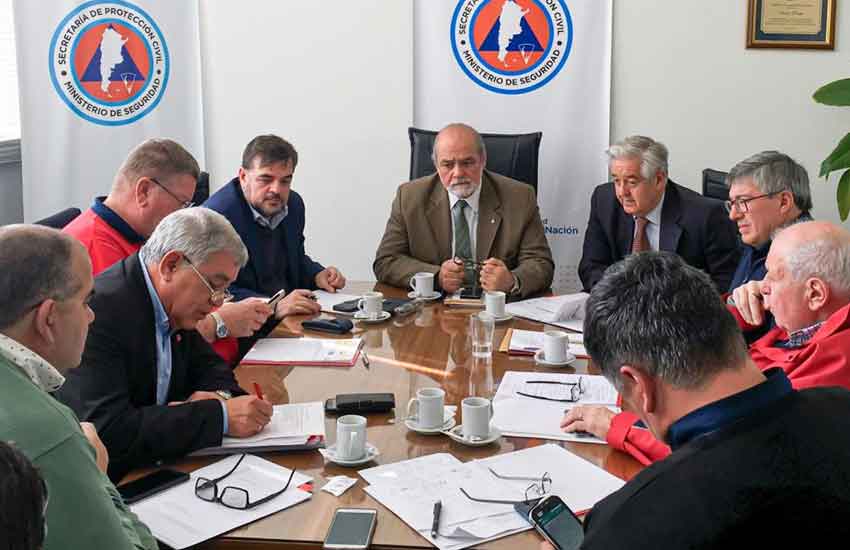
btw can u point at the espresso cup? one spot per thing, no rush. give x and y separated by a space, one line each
494 303
476 413
371 304
429 408
351 437
423 284
556 344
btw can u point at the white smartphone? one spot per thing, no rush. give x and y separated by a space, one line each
276 298
351 529
556 522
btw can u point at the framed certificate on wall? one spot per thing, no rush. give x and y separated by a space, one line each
791 24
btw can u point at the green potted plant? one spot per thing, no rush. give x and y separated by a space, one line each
838 93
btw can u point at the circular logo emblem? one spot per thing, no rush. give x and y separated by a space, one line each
511 46
109 62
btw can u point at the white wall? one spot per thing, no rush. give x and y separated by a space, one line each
682 74
336 79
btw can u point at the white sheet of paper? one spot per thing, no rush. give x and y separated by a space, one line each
304 350
294 420
565 311
329 299
180 519
596 389
531 341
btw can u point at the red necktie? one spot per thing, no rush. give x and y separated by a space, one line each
640 242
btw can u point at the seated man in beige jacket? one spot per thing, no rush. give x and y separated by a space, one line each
462 216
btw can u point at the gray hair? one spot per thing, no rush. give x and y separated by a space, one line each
480 148
826 257
652 154
655 312
773 172
197 233
35 265
158 158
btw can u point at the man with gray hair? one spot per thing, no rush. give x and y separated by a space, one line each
45 286
150 383
642 209
749 451
767 191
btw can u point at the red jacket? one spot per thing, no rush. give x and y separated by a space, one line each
822 361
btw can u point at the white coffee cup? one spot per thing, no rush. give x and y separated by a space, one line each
371 304
351 437
476 413
429 404
556 344
494 303
423 284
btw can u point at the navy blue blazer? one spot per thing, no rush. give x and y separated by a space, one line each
695 227
300 269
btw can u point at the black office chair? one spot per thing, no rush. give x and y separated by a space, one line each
202 189
512 155
714 184
60 219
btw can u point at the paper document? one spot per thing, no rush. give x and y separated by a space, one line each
297 425
528 342
329 299
565 311
304 351
180 519
521 416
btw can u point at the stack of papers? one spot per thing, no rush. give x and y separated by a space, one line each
410 489
528 342
520 416
293 427
304 351
180 519
565 311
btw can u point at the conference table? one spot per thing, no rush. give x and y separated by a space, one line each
427 349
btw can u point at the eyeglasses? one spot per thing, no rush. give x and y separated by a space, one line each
230 496
183 204
217 297
533 492
576 390
743 205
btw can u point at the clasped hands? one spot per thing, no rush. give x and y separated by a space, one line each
495 275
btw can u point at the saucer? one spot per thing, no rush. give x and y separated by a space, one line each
502 319
434 296
372 453
538 358
456 434
448 425
360 316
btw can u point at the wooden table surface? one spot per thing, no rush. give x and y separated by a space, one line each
428 349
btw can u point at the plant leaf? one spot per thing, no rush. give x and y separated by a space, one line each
843 195
834 93
839 158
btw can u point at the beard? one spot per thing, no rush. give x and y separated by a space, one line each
462 189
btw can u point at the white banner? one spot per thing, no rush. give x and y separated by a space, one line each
97 78
515 66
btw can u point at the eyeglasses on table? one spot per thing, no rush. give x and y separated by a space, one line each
231 496
577 389
534 492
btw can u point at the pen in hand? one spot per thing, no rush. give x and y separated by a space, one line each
435 527
258 391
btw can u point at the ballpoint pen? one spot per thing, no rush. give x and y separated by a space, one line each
435 527
365 358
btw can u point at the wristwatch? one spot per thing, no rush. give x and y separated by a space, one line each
221 330
224 394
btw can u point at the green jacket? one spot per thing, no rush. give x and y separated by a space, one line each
84 509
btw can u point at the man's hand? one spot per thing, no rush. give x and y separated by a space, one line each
247 415
450 277
297 302
101 454
495 275
594 419
330 279
546 546
748 301
244 318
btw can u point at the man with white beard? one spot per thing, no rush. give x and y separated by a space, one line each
464 222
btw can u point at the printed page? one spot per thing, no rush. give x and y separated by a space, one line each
303 350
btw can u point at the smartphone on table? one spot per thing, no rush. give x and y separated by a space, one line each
351 529
151 484
556 522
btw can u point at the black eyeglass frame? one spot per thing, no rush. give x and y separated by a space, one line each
203 483
217 297
540 486
577 389
743 205
183 204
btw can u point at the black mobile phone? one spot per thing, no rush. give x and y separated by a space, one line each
334 326
471 293
151 484
351 529
276 298
557 523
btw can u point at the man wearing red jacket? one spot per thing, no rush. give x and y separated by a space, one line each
807 289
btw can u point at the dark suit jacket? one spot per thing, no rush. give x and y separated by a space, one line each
115 385
300 269
418 236
695 227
